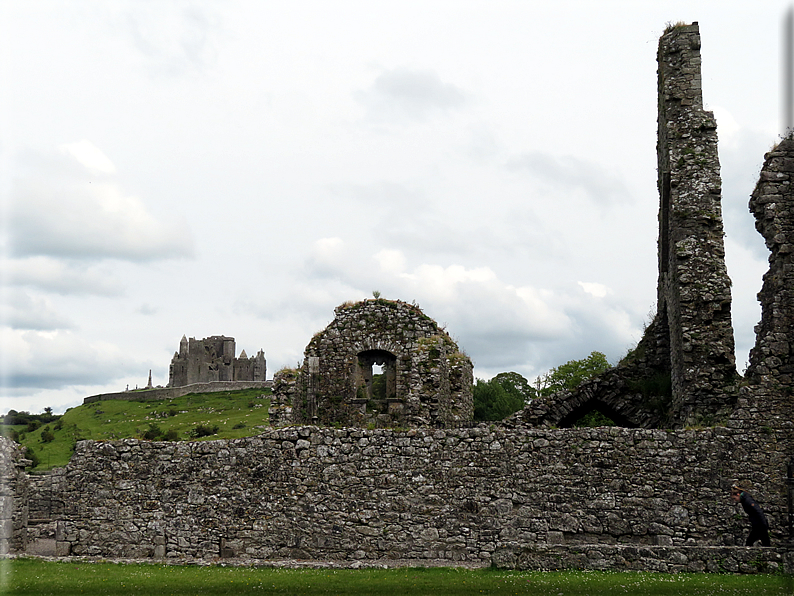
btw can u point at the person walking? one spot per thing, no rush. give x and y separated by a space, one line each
759 527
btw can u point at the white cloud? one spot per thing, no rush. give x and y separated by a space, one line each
727 126
90 156
174 39
61 212
61 277
404 93
20 310
391 261
566 173
56 359
594 289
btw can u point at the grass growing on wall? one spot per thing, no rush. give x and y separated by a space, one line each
235 414
33 576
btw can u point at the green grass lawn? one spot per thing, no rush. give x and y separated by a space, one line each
33 576
235 413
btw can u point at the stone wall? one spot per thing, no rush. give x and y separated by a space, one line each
427 380
456 495
772 203
172 392
13 497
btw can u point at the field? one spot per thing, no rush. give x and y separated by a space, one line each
234 413
33 576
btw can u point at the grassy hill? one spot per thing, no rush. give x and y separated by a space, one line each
197 416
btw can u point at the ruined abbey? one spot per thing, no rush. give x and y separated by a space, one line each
354 470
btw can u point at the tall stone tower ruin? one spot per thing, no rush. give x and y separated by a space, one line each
683 370
693 292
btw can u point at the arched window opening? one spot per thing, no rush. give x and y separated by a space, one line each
376 379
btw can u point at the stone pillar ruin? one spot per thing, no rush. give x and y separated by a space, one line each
772 203
693 292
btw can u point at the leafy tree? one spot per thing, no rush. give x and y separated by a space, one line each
503 395
571 374
47 436
515 384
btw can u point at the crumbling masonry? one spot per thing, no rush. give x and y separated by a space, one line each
519 494
683 370
427 379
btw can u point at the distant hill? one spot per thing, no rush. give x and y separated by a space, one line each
222 415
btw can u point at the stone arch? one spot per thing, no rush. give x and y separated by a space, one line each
612 393
428 378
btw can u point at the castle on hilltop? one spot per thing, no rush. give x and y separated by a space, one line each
212 359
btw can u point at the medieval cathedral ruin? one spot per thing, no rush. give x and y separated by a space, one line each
212 359
353 470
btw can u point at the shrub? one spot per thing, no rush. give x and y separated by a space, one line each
47 435
203 431
31 455
170 435
153 432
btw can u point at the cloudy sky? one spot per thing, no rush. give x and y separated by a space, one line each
241 168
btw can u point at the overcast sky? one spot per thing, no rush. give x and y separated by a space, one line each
241 168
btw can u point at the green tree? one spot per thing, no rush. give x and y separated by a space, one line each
516 384
571 374
503 395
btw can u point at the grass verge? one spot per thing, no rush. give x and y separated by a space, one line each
43 578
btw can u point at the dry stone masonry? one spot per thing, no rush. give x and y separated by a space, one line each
395 474
694 297
13 498
427 378
772 203
683 371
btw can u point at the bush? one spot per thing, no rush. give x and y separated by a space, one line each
153 432
47 435
203 431
31 455
170 435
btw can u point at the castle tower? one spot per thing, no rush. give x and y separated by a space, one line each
693 292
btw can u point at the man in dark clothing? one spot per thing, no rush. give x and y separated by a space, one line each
759 527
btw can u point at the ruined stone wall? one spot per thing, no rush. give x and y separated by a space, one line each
13 497
464 494
772 203
427 378
694 299
172 392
